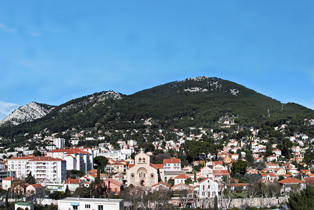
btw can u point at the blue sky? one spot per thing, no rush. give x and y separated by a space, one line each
54 51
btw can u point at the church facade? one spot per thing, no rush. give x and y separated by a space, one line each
143 173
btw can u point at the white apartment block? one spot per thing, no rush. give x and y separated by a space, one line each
47 169
43 169
90 203
59 142
18 164
76 159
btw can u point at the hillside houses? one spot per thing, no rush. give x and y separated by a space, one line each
163 164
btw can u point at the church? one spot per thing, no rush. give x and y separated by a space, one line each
144 173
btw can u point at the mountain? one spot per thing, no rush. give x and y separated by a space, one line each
27 113
195 102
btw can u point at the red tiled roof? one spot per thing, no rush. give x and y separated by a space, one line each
93 175
162 183
70 151
220 172
157 166
39 158
291 181
10 178
182 176
113 181
171 160
21 158
309 180
205 180
92 171
238 184
37 186
181 184
72 181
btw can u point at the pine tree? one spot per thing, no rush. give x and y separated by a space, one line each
216 203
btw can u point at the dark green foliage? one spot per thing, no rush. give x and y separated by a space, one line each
188 181
101 162
308 156
170 106
37 153
30 179
239 167
57 195
171 181
76 173
82 192
46 207
302 200
216 203
6 200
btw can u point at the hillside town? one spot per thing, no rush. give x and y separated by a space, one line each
247 171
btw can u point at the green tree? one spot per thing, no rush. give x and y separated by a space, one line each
30 179
239 167
171 181
188 181
302 200
6 200
37 153
216 203
101 162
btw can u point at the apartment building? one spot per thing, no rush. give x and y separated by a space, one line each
76 159
18 164
47 169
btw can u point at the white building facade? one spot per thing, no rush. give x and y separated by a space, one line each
47 169
70 203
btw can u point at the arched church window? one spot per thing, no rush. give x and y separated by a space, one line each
143 160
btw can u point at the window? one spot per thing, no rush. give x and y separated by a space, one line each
87 206
152 175
75 208
100 207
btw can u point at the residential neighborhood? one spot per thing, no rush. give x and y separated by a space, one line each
238 169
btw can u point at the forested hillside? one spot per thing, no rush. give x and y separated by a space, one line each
196 102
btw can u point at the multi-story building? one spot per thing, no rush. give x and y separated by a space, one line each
18 164
76 159
207 188
5 174
90 203
172 164
59 142
47 169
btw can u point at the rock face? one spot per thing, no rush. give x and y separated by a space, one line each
26 113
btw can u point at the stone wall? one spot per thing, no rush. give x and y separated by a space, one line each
241 202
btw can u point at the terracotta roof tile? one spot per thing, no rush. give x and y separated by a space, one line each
291 181
72 181
182 176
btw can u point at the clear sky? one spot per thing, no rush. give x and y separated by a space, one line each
53 51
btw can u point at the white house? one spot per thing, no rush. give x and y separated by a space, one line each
71 203
207 188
